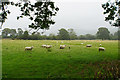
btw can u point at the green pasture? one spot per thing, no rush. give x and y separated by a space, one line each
76 62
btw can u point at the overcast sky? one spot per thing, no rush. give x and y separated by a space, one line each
84 16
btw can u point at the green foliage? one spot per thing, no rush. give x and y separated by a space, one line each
40 13
5 12
5 32
19 34
116 35
43 12
52 37
72 34
87 37
82 37
25 35
112 10
9 33
63 34
103 33
13 33
36 36
20 31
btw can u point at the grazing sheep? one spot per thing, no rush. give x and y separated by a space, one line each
89 45
48 46
62 46
100 45
44 46
81 43
101 49
28 48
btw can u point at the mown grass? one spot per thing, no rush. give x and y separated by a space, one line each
76 62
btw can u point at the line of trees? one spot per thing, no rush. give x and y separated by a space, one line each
63 34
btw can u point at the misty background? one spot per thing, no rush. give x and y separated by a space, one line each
85 17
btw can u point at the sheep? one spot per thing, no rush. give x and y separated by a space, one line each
101 49
81 43
28 48
48 46
100 45
62 46
89 45
44 46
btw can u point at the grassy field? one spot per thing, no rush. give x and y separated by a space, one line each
76 62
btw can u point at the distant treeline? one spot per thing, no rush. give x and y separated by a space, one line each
63 34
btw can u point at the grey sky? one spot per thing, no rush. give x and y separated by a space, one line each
84 16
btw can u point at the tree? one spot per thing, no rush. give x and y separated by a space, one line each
3 14
82 37
20 32
44 37
112 37
5 32
13 33
89 37
63 34
36 36
72 34
39 13
52 36
25 35
117 35
112 9
103 33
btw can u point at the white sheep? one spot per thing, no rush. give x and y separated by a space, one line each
62 46
88 45
29 48
100 45
101 49
44 46
48 46
81 43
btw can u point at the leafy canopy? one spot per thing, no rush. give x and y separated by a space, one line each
40 13
103 33
112 10
63 34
